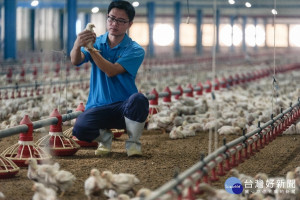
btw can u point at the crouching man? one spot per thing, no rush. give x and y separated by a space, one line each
113 101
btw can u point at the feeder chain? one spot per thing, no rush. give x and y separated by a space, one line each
67 81
202 156
245 138
176 178
260 130
213 96
226 148
292 109
35 85
281 111
273 121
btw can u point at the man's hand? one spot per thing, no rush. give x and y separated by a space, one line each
84 38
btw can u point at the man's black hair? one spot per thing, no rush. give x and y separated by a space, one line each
124 5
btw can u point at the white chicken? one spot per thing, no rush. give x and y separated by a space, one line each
239 122
41 192
2 196
270 183
229 130
175 134
298 128
285 193
187 131
294 178
291 130
194 126
143 192
90 46
61 180
94 185
212 124
260 196
245 179
121 183
216 194
178 120
297 176
37 172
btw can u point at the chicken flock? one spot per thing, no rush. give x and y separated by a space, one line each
49 180
51 183
227 112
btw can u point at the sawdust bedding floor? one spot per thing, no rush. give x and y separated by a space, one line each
162 158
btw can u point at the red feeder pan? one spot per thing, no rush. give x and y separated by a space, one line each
117 132
56 142
153 109
25 148
68 133
84 143
8 168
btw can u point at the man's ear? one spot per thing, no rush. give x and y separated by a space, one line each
130 23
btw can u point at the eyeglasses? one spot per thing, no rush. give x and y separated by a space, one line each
118 21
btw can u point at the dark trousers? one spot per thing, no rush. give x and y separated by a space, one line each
88 123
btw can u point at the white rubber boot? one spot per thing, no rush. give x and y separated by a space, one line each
134 130
104 142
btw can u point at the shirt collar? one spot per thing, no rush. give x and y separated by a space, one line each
123 43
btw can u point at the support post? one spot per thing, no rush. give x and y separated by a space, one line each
177 19
10 31
244 34
217 30
199 32
61 29
32 27
72 17
151 19
232 18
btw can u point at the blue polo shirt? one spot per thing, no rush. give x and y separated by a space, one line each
106 90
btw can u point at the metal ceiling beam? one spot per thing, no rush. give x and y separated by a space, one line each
166 4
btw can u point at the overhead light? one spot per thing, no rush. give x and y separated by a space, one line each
274 12
231 1
163 34
248 5
95 10
135 4
34 3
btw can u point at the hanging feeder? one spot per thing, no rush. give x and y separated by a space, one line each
56 142
25 148
153 103
167 100
8 168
